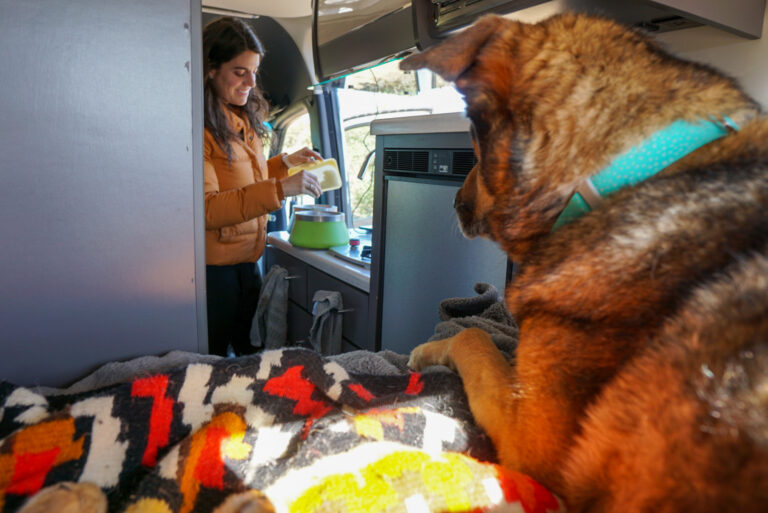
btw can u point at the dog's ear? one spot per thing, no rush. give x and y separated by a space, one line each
452 57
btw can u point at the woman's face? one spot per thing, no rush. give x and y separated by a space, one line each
234 79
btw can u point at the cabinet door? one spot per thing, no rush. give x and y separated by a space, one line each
297 275
355 303
299 324
347 346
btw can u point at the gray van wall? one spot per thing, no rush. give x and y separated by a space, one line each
746 60
101 184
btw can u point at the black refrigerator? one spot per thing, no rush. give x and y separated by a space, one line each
419 256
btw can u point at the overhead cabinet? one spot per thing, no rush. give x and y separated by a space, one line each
742 17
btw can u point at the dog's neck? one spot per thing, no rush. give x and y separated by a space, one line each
641 162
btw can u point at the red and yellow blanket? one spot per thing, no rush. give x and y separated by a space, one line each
309 433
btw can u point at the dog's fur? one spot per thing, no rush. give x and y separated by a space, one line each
640 381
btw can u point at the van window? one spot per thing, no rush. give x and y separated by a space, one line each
382 92
297 135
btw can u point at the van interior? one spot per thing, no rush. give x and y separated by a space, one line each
104 258
105 375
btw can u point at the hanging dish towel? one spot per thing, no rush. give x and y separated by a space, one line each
325 334
269 326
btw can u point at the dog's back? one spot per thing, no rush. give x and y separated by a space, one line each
678 266
684 426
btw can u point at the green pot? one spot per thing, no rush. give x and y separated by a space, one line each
318 230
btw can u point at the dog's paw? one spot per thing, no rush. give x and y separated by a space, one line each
67 498
252 501
431 353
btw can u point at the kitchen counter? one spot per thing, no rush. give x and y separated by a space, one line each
355 275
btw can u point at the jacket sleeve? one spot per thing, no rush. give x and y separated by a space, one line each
238 205
276 167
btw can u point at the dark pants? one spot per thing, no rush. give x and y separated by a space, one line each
233 292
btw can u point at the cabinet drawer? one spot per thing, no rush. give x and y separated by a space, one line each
297 271
299 324
355 321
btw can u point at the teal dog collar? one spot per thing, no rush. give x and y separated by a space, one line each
643 161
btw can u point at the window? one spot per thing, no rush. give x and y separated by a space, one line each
297 135
376 93
358 147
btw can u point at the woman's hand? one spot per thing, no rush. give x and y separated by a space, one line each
301 156
302 182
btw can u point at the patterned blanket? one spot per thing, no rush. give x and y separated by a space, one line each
309 432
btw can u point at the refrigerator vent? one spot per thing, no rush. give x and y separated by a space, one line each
406 160
463 162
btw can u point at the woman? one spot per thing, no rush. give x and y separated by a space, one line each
241 186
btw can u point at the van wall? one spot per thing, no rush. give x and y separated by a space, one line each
744 59
101 184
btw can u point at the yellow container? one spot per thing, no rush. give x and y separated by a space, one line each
326 171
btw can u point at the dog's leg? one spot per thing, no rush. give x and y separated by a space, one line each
528 410
67 498
252 501
488 378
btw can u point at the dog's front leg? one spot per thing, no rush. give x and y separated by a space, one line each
67 497
489 379
524 408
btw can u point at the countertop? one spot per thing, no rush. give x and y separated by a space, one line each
428 124
324 260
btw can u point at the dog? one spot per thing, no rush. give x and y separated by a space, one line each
640 379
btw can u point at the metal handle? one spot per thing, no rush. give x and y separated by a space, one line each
292 277
345 310
367 160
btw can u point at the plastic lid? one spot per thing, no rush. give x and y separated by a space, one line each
326 171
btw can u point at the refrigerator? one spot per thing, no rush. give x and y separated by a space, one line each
419 256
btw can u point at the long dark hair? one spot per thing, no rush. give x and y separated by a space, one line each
223 40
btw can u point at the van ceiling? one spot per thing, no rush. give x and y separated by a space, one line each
271 8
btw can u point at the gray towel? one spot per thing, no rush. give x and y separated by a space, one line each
269 329
485 311
325 334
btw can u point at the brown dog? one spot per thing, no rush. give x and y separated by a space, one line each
640 381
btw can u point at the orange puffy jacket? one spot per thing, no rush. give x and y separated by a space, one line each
239 195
